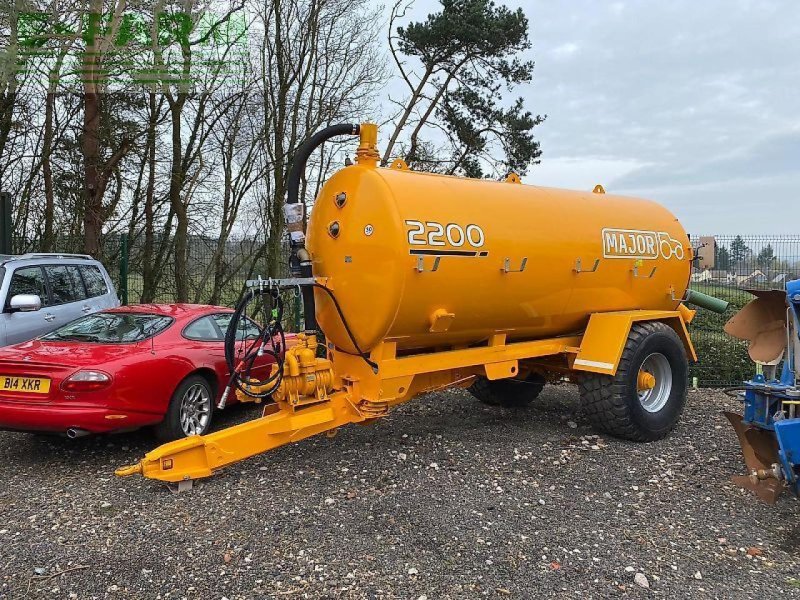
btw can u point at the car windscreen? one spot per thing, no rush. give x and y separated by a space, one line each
111 328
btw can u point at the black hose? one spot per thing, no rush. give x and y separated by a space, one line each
360 352
298 266
240 371
263 345
305 150
730 391
307 295
301 266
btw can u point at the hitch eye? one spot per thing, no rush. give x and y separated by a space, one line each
340 199
333 229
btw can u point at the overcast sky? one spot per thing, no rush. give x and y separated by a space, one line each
695 104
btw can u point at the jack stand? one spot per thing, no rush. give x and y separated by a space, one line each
181 486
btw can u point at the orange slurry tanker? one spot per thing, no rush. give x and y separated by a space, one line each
421 282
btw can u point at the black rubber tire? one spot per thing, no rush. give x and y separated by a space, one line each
510 393
170 428
612 403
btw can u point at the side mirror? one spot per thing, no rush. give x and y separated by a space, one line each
25 303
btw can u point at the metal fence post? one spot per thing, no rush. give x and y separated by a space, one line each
6 224
123 268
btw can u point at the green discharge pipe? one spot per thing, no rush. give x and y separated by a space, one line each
705 301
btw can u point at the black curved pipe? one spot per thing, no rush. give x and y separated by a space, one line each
300 266
305 150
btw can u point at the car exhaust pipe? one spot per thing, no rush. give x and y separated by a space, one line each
74 433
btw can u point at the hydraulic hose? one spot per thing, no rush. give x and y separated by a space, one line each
240 366
299 260
265 344
358 349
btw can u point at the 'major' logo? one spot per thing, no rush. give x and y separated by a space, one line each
635 243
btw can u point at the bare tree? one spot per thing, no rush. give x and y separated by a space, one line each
8 72
156 141
187 153
98 41
321 64
240 141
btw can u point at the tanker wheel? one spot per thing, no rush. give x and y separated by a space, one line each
643 401
511 393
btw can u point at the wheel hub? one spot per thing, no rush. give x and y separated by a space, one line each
645 381
654 382
195 410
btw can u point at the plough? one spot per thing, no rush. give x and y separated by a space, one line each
769 428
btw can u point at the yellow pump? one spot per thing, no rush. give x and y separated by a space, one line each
423 281
306 378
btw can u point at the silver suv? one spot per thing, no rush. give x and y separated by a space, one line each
41 292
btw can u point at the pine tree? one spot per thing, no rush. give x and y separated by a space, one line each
739 250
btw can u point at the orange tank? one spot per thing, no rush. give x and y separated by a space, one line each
431 261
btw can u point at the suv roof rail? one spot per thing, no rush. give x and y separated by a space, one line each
52 255
6 258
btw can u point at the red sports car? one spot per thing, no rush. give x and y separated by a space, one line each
121 369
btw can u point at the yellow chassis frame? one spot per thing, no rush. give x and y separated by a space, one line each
363 395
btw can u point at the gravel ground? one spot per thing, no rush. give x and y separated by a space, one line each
444 498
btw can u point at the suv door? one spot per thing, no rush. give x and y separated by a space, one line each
67 293
99 293
22 326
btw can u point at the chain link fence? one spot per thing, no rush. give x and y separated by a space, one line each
728 266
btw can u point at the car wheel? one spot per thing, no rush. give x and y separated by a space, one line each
190 410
